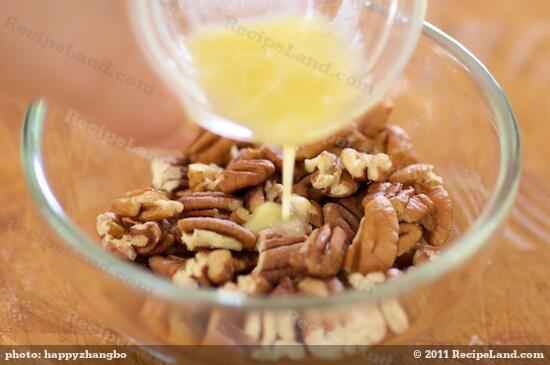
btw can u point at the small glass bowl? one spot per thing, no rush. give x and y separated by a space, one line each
459 120
386 30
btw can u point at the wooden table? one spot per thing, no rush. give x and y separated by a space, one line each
508 305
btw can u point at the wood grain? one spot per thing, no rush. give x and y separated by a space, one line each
508 305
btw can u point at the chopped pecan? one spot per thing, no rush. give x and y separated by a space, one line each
253 284
274 328
138 237
330 177
322 253
221 266
363 167
374 248
210 148
424 253
121 248
241 174
375 119
203 177
361 326
144 234
320 288
169 174
356 327
146 205
275 253
109 224
226 328
207 268
395 316
366 282
215 233
337 216
159 210
394 141
441 216
420 174
166 241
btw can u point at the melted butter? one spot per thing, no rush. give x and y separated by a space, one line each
265 216
269 214
204 238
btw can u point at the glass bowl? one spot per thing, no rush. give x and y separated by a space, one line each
459 120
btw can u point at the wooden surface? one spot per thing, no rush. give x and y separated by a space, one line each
509 303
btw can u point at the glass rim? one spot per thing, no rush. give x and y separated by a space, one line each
463 247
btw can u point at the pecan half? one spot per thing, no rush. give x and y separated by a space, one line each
209 204
441 217
245 173
329 176
275 256
169 174
311 150
322 253
273 154
223 234
210 148
363 166
420 174
374 248
166 266
203 177
409 235
337 216
375 119
394 141
410 207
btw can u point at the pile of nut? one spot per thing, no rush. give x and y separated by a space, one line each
362 204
